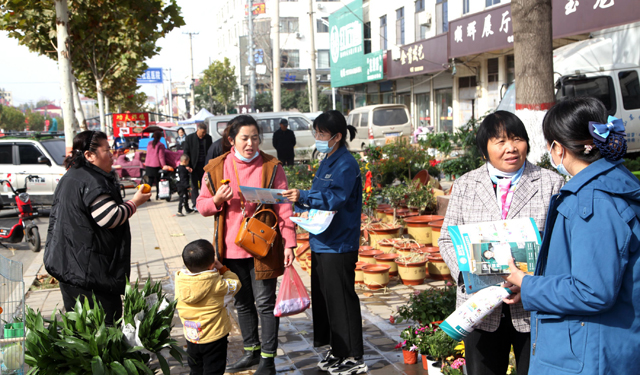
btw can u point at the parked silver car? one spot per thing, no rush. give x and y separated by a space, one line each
269 122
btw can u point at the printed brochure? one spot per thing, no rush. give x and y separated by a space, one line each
265 196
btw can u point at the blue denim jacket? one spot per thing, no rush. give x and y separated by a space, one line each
337 186
585 297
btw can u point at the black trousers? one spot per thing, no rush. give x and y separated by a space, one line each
111 303
255 298
196 179
153 176
183 200
487 353
337 320
287 161
209 358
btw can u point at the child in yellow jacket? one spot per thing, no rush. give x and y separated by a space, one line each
200 291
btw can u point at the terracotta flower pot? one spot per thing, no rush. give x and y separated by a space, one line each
303 255
376 276
365 248
389 260
380 211
302 238
418 227
438 268
378 232
387 245
412 273
436 227
425 364
405 249
410 358
368 256
359 273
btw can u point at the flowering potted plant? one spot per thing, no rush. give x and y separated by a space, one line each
409 345
440 346
430 305
454 368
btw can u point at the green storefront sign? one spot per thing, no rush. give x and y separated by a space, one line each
349 64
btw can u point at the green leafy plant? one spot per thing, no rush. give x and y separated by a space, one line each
430 305
154 333
300 176
80 343
423 334
421 197
440 345
410 339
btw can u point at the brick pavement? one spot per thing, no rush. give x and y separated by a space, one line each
158 237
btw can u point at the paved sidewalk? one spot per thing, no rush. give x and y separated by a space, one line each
158 237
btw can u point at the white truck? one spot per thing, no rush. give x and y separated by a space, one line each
607 67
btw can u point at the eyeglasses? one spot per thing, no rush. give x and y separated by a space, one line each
321 136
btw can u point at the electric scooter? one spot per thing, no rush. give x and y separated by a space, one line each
13 232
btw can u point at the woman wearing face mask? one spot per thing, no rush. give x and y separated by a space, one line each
337 186
246 165
584 298
506 187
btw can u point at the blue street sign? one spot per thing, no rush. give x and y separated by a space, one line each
151 75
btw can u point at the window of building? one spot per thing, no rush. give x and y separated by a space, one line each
400 26
444 110
465 6
322 25
383 32
288 1
288 24
290 58
492 70
465 82
492 2
367 37
442 16
630 88
420 21
511 69
323 59
419 5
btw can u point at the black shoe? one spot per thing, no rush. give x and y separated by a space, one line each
248 360
181 214
189 211
328 361
349 366
267 366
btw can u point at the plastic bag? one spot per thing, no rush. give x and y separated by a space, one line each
292 297
164 189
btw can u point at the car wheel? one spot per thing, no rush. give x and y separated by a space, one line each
33 238
317 155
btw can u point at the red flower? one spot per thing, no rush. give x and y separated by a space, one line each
392 320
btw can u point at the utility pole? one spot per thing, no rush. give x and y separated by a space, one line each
312 78
252 60
275 23
193 78
170 95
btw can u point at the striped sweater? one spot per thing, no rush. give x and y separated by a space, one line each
108 214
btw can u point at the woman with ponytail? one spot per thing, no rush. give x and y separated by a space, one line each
337 186
88 247
155 160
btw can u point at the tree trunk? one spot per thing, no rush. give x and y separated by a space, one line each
64 67
82 122
103 125
533 55
226 112
108 119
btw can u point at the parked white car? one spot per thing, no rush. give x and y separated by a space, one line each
21 157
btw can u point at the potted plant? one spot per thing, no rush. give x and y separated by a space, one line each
430 305
409 345
412 268
424 334
454 368
440 346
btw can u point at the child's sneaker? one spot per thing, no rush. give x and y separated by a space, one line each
189 211
179 214
349 366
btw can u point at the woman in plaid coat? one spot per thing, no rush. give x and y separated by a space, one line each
506 187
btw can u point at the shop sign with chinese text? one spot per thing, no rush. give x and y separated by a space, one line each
481 32
571 17
349 64
129 124
425 56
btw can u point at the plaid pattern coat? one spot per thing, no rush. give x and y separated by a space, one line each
473 200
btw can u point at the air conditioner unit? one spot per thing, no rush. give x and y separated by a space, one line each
298 35
320 6
424 18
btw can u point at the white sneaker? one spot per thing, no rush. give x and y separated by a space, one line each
349 366
328 361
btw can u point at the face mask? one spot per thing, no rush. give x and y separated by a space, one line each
323 146
242 158
560 168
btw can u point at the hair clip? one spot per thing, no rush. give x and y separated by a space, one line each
587 149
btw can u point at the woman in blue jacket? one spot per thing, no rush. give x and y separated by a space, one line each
585 296
337 186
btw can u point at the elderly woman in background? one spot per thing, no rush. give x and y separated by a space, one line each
506 187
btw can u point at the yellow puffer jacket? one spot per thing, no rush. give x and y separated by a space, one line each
201 303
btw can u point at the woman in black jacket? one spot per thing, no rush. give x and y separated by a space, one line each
88 245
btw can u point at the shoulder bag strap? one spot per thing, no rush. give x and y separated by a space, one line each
235 168
272 213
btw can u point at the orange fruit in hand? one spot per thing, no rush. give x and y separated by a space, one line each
145 188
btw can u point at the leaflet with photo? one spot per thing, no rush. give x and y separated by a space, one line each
265 196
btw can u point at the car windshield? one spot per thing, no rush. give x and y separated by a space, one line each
391 116
55 148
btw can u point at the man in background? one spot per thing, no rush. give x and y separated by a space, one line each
196 146
283 142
